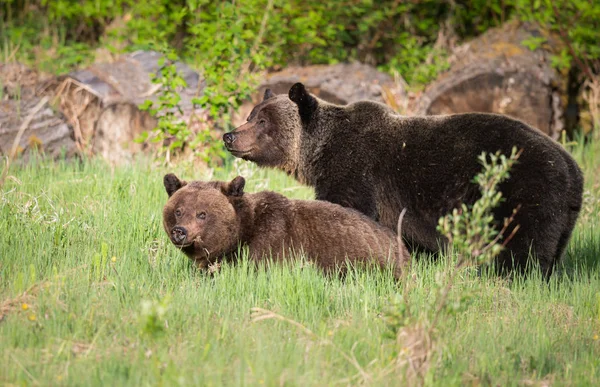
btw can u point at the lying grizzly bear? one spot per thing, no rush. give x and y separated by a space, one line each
210 220
367 157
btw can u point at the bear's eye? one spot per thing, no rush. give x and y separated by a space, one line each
262 121
201 215
177 212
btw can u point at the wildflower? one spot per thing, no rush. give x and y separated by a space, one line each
596 336
32 317
114 259
24 306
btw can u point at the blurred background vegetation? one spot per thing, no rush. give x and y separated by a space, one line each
229 42
224 37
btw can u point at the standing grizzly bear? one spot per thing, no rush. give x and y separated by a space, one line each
367 157
209 220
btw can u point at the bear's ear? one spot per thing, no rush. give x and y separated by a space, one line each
268 95
307 104
172 183
235 187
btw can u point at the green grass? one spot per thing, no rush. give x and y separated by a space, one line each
71 315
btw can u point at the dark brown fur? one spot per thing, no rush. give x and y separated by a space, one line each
367 157
217 217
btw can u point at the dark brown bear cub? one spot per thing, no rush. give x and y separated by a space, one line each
367 157
208 221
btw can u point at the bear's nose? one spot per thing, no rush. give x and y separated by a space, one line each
229 138
178 234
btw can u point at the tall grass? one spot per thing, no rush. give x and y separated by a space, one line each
92 293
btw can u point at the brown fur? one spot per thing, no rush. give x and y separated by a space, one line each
366 157
217 217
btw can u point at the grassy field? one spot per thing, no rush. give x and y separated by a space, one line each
92 293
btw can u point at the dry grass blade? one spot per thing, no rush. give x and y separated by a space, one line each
31 292
66 95
389 99
33 380
9 57
25 125
417 350
260 314
404 264
152 90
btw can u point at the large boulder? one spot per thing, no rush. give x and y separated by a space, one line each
340 83
498 73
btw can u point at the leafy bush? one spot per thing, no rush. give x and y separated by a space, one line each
167 106
390 33
471 230
171 131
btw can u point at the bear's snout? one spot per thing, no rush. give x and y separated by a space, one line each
178 234
229 138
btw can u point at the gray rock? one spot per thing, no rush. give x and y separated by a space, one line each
340 83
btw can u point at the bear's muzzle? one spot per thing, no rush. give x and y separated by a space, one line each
178 235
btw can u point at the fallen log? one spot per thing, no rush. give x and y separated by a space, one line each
29 121
46 131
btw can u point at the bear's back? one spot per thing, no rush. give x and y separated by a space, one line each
330 230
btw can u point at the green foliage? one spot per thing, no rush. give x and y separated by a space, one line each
226 40
230 40
574 23
170 126
220 35
172 132
57 35
152 316
473 17
417 64
471 229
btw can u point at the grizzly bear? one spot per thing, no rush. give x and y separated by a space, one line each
211 220
366 156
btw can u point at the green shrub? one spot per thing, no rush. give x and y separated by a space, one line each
394 34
